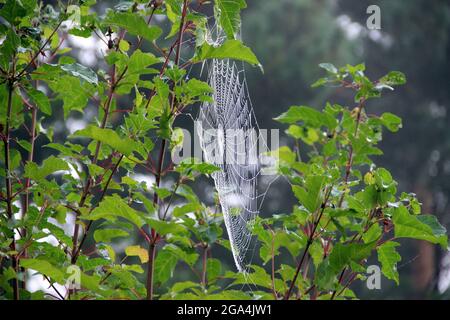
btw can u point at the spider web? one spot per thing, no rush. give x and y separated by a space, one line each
229 137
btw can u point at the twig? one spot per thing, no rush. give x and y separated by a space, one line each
204 265
308 244
154 235
36 55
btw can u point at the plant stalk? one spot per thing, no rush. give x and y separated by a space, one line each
153 235
9 209
151 270
308 244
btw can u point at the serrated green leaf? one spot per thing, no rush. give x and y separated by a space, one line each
329 67
125 145
230 49
133 23
310 195
113 207
44 267
166 227
425 228
391 121
41 100
213 269
393 78
165 264
81 72
229 15
388 257
49 166
106 235
309 116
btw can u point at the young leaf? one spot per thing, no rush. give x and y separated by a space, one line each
41 100
165 263
329 67
308 115
113 207
391 121
106 235
388 257
82 72
133 23
109 137
393 78
137 251
49 166
44 267
230 49
229 15
424 228
310 197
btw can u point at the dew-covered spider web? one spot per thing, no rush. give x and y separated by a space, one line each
230 139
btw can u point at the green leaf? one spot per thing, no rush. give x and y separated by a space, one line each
140 60
190 166
393 78
125 146
73 91
230 49
81 72
166 227
187 255
229 15
213 269
329 67
198 89
133 23
341 256
44 267
181 286
165 263
137 251
418 227
229 295
106 235
259 277
41 100
113 207
373 234
49 166
13 11
388 257
310 197
309 116
391 121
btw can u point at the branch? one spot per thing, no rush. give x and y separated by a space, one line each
8 182
308 244
154 235
36 55
105 189
350 155
204 265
